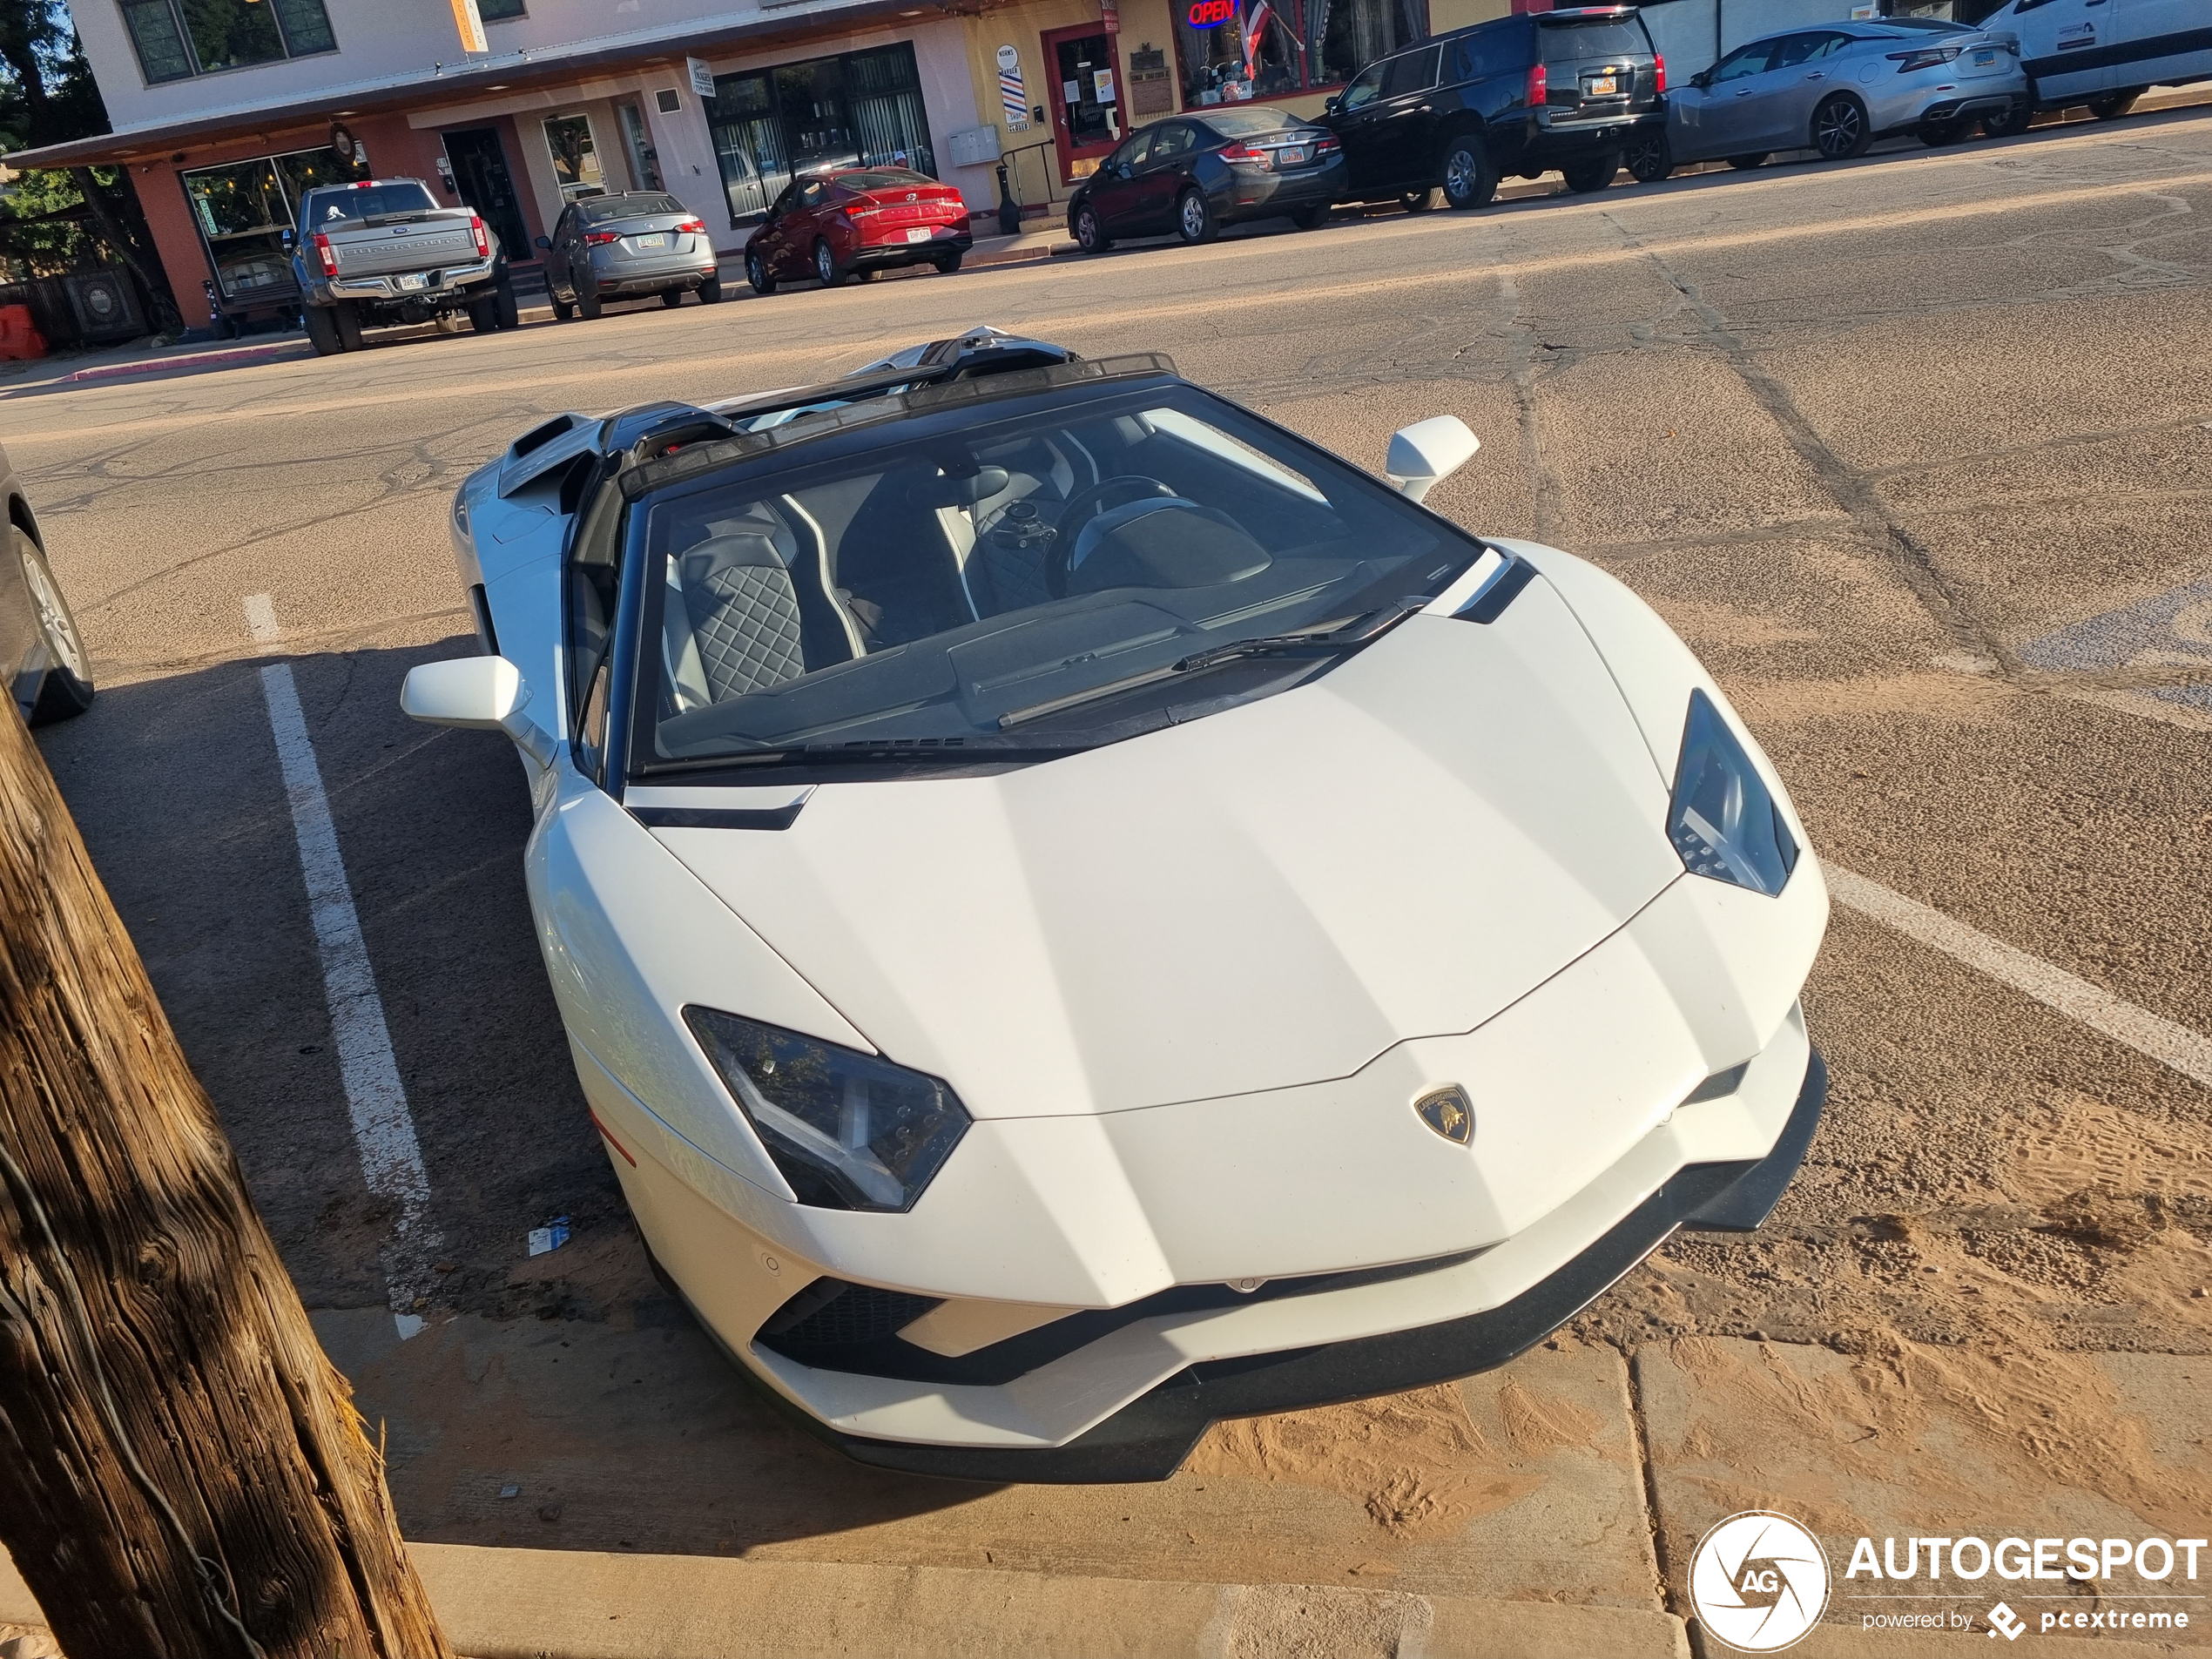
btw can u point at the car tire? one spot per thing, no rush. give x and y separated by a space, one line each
758 274
2015 121
1470 177
828 271
1194 218
947 264
1747 163
65 689
321 323
1089 234
1648 158
506 309
1840 128
1584 178
710 291
348 324
1418 202
2111 105
563 311
672 298
588 305
483 316
1312 219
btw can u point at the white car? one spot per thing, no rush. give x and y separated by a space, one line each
1079 913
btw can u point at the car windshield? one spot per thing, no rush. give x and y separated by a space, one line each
1003 570
367 202
884 178
1566 43
1248 124
599 209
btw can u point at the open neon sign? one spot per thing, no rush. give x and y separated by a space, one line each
1210 13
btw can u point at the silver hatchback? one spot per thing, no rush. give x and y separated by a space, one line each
626 245
1835 89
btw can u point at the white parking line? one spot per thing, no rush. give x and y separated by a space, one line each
383 1129
2186 1051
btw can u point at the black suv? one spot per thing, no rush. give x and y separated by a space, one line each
1570 90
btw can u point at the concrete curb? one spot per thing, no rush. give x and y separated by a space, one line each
190 360
578 1604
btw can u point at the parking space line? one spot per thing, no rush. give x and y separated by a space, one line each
391 1157
2176 1046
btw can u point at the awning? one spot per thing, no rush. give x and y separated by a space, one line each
472 78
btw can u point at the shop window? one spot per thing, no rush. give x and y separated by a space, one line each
1231 50
575 157
855 110
176 40
243 208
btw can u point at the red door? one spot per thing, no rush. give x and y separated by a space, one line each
1083 81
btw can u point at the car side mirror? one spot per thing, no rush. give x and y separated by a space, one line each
477 694
545 242
1332 105
1425 454
1703 77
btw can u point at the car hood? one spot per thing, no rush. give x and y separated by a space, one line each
1268 896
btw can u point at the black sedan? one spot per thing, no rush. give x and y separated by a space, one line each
1190 175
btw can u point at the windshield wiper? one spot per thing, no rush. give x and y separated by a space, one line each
1323 642
977 749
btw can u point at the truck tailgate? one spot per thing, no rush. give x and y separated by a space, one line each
384 249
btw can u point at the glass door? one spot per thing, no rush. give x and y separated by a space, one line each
644 160
575 157
1084 83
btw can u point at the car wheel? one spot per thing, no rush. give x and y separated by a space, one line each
348 324
2015 121
322 331
1937 134
827 269
1840 129
710 291
672 298
67 687
506 309
1194 219
2112 106
483 316
1418 201
588 305
1649 159
562 311
1470 177
1583 177
1089 234
1312 219
757 272
947 263
1746 163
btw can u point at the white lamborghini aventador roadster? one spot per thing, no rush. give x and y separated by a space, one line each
1079 913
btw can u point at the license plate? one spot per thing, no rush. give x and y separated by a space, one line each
1603 86
415 279
657 239
1293 155
1984 59
919 233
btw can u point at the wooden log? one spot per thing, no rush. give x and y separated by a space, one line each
182 1473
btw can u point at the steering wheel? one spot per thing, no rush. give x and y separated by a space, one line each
1083 506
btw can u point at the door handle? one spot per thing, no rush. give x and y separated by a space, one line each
1816 75
1746 92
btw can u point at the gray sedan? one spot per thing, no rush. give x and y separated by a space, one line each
1835 89
624 247
41 652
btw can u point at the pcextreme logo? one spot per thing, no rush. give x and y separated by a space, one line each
1759 1582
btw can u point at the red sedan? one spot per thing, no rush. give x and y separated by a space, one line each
855 222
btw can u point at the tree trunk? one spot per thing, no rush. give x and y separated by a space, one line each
182 1473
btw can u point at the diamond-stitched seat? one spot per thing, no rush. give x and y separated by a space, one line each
743 614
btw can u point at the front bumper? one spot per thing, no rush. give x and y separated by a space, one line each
434 284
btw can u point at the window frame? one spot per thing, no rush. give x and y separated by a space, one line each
182 31
1314 81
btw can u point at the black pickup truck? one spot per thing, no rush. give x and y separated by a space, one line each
383 251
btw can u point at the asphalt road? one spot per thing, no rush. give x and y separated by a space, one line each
1917 452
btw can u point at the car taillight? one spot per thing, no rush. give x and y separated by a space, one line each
1329 145
600 239
1243 155
1922 57
483 236
693 227
322 251
1658 72
1540 87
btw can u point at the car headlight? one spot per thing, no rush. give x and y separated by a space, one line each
1722 820
848 1130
